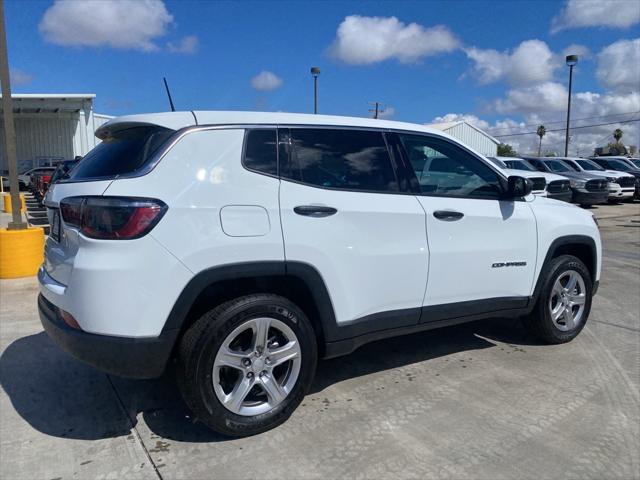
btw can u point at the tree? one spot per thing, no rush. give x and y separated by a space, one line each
617 134
505 150
541 133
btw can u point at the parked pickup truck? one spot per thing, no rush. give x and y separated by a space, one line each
588 189
621 185
557 186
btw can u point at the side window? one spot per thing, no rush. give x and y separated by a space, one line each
444 169
340 159
260 152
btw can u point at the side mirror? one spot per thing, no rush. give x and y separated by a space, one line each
518 187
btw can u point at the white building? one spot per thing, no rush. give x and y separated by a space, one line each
470 135
51 127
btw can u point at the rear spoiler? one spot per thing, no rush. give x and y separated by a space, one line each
170 120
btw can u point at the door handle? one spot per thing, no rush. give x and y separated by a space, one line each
448 215
316 211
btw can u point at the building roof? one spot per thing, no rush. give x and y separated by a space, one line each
177 120
445 126
50 102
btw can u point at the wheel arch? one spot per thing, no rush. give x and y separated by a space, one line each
580 246
299 282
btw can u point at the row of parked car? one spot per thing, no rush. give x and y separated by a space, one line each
585 181
38 179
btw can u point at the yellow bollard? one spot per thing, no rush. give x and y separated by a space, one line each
7 203
21 252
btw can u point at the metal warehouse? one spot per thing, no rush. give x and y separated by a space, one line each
51 127
472 136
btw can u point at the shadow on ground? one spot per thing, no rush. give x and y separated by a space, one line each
62 397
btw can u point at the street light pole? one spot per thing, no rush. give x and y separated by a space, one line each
9 130
315 71
572 60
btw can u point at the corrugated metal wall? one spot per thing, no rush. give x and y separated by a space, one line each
42 136
476 140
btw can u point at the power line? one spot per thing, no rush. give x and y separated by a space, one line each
572 128
490 129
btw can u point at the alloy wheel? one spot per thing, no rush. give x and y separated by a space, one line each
256 366
567 301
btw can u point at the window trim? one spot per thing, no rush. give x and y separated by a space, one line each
502 179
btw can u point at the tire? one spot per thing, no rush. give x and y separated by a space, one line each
206 380
540 321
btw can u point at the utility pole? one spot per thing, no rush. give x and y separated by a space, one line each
377 110
9 130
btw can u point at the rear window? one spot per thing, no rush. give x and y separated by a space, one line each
124 152
260 152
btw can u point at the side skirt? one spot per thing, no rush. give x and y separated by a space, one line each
432 317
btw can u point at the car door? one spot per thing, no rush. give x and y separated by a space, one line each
345 211
482 249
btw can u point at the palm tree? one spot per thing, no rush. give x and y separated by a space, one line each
617 134
541 133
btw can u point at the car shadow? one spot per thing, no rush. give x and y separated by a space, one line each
59 396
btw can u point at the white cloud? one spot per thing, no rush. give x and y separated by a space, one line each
188 45
547 97
365 40
581 51
387 112
531 62
266 81
466 117
547 106
126 24
20 77
596 13
619 65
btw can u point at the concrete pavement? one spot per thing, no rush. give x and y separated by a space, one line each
481 400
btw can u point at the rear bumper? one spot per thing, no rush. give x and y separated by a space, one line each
590 198
563 196
121 356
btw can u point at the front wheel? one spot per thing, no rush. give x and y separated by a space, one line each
564 302
246 365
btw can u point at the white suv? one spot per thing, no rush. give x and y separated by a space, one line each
248 245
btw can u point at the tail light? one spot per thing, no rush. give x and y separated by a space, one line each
112 218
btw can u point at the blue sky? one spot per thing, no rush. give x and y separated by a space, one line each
211 51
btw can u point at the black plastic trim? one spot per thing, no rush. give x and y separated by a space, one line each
121 356
560 242
210 276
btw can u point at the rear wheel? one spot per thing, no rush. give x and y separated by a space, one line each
564 302
247 364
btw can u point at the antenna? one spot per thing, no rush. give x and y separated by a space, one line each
166 86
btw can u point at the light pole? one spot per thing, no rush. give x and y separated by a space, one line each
315 71
572 60
9 130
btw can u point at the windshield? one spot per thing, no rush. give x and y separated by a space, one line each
589 165
557 166
635 161
497 162
618 165
520 165
123 152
